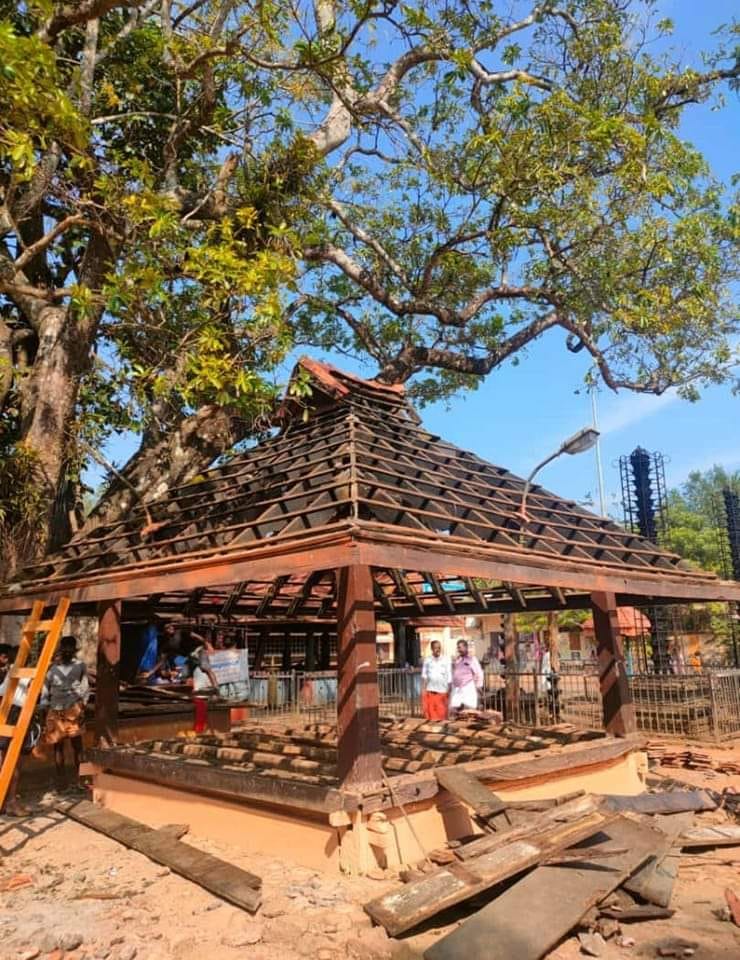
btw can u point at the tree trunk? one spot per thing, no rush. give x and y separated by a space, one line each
167 457
49 394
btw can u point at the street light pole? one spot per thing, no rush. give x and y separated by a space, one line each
599 465
578 443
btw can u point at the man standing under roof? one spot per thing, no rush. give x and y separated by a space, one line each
65 694
436 677
467 680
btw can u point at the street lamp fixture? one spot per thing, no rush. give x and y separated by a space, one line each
581 441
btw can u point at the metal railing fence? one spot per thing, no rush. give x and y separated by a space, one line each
698 706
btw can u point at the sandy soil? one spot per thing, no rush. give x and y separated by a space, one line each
66 891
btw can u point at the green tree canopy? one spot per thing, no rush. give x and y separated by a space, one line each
696 522
191 188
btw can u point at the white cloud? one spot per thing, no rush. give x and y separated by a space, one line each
626 409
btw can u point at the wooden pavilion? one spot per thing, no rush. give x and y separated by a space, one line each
351 511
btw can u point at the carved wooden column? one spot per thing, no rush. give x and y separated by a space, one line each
511 667
108 670
619 711
358 733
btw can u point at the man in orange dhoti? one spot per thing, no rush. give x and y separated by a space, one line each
436 676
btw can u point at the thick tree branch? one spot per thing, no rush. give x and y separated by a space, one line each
415 357
72 14
31 252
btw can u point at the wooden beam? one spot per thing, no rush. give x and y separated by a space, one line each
358 733
391 547
108 671
233 598
271 594
432 579
234 784
511 694
516 594
616 697
295 554
223 879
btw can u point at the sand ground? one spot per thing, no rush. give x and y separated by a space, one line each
68 892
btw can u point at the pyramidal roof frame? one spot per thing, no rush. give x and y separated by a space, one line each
353 478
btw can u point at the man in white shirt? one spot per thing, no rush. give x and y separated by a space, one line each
436 676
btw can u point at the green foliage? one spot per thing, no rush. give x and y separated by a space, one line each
22 502
696 518
205 186
34 108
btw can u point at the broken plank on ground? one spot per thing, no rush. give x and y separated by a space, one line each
410 905
655 880
572 810
467 788
675 801
710 836
637 914
533 915
223 879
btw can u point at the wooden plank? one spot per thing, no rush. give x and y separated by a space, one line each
403 909
676 801
654 881
533 915
470 791
714 836
637 914
223 879
543 822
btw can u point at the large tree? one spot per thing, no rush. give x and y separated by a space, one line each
190 188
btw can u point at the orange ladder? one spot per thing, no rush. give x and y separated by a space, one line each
19 671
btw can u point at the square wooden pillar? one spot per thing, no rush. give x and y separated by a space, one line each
108 671
619 711
359 759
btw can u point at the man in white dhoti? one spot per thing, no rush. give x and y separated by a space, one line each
467 680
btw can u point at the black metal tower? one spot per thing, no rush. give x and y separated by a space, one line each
732 513
731 499
644 503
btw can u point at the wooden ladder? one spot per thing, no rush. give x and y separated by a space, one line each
19 671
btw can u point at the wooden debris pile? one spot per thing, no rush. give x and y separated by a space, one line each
689 759
307 751
308 755
412 745
591 864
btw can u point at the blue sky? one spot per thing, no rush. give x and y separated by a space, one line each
521 413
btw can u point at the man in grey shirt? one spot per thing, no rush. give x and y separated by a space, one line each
65 694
